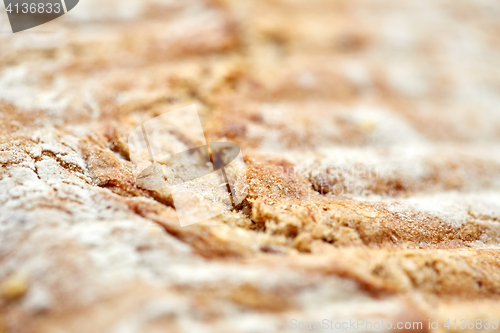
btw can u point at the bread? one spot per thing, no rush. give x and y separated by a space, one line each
370 133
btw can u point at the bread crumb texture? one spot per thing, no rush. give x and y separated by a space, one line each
371 136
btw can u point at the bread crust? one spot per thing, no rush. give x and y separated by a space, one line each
372 164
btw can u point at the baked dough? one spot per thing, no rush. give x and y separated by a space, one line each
370 131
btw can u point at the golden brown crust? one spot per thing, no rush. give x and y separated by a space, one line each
319 96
